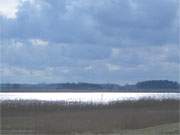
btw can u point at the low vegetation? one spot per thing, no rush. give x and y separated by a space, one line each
44 117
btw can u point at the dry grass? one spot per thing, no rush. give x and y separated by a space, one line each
65 118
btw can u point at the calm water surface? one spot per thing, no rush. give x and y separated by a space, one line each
87 97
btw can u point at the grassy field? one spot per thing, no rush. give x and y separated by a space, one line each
54 118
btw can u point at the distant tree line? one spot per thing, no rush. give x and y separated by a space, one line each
144 86
157 84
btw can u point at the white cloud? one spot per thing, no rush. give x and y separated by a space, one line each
88 67
17 71
39 42
115 52
8 8
112 67
12 71
18 45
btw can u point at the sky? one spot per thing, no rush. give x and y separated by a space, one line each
97 41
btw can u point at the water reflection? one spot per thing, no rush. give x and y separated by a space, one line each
87 97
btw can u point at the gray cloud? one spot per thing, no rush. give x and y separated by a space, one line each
90 40
109 21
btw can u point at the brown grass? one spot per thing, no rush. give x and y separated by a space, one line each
65 118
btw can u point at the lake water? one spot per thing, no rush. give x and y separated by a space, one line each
87 97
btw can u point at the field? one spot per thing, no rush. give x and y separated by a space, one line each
54 118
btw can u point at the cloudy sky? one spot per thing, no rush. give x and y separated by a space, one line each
101 41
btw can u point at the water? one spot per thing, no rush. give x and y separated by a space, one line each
87 97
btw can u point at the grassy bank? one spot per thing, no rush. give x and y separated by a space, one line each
77 117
